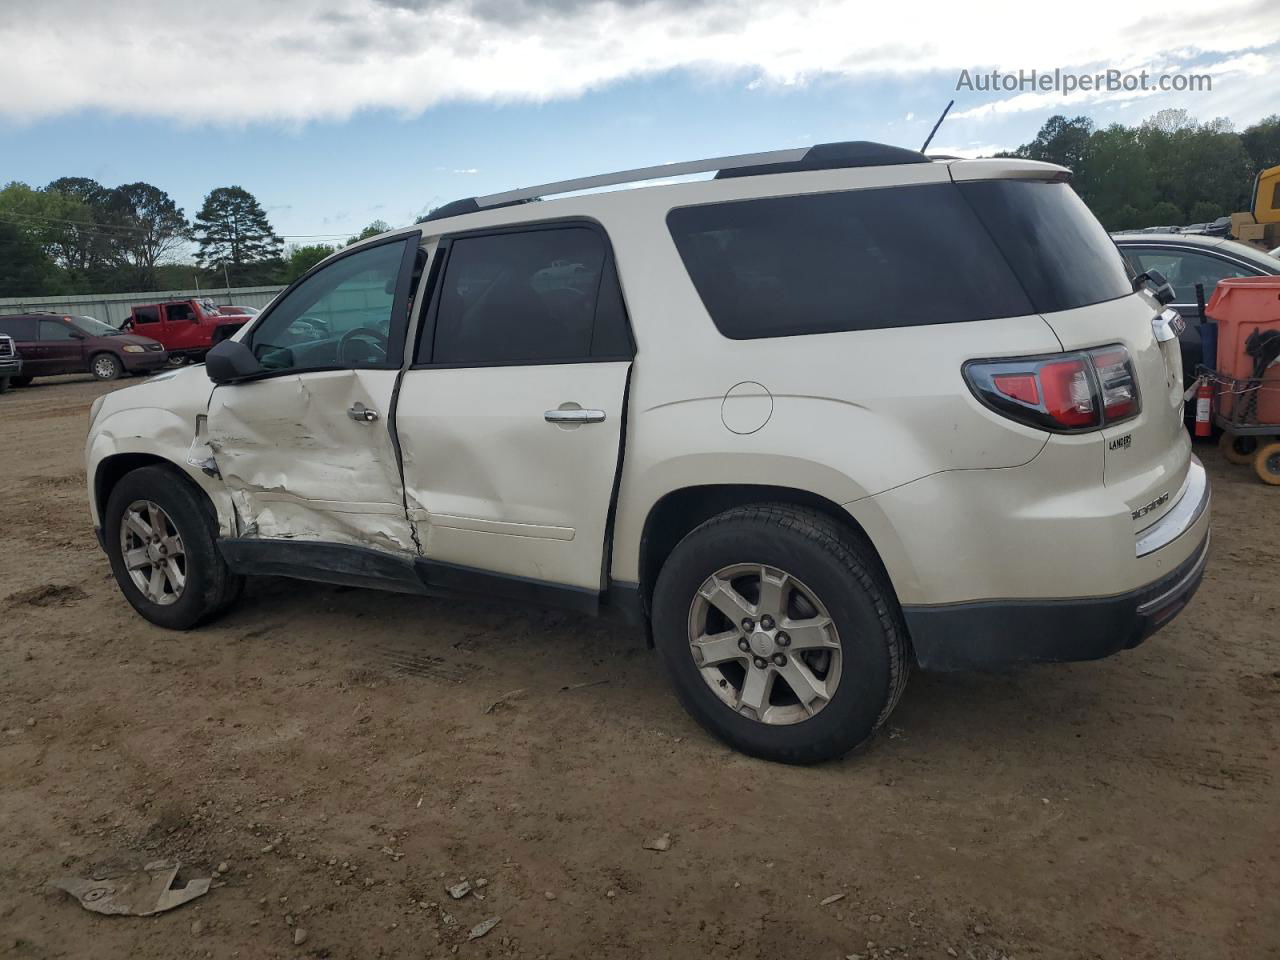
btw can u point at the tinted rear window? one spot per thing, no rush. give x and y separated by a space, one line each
1058 249
854 260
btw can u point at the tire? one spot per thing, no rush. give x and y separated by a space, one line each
814 559
210 587
105 366
1266 464
21 381
4 384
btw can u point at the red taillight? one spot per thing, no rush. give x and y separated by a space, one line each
1066 392
1018 386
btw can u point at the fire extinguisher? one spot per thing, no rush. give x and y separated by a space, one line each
1204 404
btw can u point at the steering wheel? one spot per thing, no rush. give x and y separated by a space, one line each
379 342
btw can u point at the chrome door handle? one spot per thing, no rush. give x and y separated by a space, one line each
362 413
574 416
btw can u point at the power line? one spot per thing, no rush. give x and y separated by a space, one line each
105 229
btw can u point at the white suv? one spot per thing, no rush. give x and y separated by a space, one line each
833 412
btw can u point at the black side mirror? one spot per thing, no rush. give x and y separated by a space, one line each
230 362
1160 288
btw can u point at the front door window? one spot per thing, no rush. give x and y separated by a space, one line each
341 316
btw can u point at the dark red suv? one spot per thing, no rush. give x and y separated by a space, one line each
51 343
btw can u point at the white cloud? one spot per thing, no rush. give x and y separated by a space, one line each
971 150
298 60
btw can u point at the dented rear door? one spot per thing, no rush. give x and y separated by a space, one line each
306 451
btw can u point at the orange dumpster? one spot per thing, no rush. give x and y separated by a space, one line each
1242 306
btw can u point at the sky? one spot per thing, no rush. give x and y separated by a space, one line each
335 113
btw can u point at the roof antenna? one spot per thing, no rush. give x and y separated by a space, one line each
946 110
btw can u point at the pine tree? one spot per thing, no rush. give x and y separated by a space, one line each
234 235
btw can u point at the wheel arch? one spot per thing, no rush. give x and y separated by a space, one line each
674 515
112 469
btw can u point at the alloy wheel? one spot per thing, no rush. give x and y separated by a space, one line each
764 643
153 552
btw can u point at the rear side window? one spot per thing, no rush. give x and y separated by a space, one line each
20 328
146 314
1059 251
855 260
533 296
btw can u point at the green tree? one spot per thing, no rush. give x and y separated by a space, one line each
81 245
1061 141
1162 214
25 269
32 223
300 259
1116 179
1262 142
372 230
151 228
236 240
1204 211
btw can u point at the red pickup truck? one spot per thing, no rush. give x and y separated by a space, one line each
187 328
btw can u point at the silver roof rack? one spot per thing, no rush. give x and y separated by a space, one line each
640 174
822 156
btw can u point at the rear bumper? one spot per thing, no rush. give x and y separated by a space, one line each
1000 633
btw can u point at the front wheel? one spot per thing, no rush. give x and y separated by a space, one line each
21 381
779 633
106 366
160 537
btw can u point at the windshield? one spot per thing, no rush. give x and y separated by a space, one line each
94 328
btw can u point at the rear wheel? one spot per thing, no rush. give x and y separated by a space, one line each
106 366
1266 464
779 634
160 536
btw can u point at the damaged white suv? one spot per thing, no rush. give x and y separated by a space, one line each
829 414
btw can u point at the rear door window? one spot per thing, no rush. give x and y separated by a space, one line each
541 295
146 315
1059 251
854 260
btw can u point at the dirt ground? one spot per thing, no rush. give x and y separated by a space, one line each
340 753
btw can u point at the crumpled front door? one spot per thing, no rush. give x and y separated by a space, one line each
310 457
